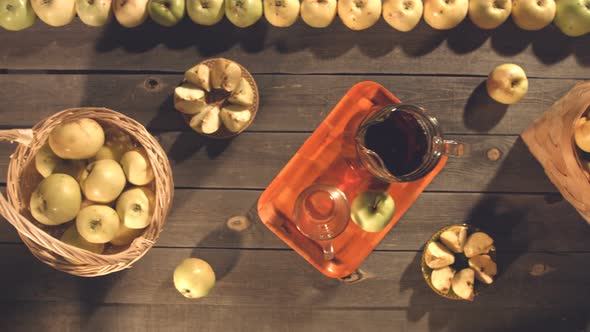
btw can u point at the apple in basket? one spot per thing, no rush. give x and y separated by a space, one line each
47 163
137 167
72 237
56 200
97 223
135 207
78 139
194 278
103 181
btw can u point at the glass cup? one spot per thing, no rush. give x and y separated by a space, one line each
428 130
322 213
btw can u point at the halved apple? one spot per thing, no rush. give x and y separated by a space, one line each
243 94
485 268
199 76
226 75
463 282
235 117
454 238
442 278
437 256
478 243
189 98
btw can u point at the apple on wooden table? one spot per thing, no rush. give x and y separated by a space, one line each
16 15
359 14
130 13
55 12
573 17
489 14
445 14
205 12
94 13
166 13
243 13
194 278
403 15
318 13
507 83
281 13
533 14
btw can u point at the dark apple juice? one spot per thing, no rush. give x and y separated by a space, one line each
400 141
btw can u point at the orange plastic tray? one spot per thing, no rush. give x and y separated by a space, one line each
325 158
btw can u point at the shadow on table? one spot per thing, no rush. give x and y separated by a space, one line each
501 218
549 45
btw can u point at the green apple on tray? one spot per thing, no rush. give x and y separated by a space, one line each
86 170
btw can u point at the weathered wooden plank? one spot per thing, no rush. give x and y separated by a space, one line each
194 316
252 160
298 49
288 102
282 278
517 222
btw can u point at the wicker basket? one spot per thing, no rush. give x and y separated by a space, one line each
551 140
23 178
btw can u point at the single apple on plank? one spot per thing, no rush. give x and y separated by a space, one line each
194 278
507 83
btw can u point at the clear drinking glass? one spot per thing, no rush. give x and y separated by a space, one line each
437 146
322 213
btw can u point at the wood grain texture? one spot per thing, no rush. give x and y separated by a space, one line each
288 102
252 160
194 316
263 278
298 49
517 222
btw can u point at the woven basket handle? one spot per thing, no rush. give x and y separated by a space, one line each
23 136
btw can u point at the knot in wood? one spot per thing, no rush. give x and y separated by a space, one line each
238 223
152 84
494 154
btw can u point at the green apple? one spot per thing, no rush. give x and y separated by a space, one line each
47 163
403 15
166 12
359 14
56 200
94 13
445 14
243 13
533 14
56 13
135 207
205 12
16 15
137 167
97 223
372 210
78 139
73 238
573 17
281 13
125 235
103 181
194 278
507 83
130 13
489 14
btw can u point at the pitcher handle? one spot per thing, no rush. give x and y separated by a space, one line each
453 148
328 249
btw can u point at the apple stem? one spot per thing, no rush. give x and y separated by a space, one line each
376 202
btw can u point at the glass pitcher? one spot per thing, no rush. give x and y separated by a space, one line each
402 143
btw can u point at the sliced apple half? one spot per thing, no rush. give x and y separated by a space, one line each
462 284
437 256
454 238
478 243
485 268
235 117
442 279
189 98
225 75
199 75
243 94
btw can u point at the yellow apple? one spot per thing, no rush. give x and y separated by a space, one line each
507 83
47 163
402 15
582 134
73 238
135 207
318 13
281 13
359 14
126 235
533 14
137 167
78 139
130 13
56 200
97 223
103 181
55 12
194 278
489 14
445 14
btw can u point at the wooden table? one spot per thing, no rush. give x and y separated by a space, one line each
543 247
